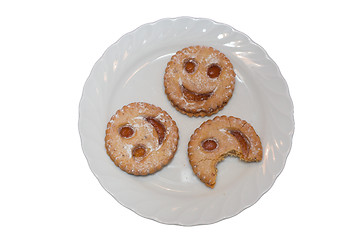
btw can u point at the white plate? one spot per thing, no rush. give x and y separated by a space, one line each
132 70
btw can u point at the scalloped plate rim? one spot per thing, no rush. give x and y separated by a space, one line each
290 135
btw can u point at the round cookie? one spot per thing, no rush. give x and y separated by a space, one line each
218 138
141 138
199 81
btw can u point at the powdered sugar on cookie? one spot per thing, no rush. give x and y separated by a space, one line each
199 80
141 138
215 139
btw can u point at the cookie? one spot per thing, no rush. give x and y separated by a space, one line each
218 138
141 138
199 81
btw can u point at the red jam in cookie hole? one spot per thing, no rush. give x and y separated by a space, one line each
159 128
190 65
139 151
126 131
243 140
213 71
209 144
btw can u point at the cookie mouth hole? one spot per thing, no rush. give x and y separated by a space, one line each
193 96
209 144
139 151
214 70
159 128
126 131
190 65
244 141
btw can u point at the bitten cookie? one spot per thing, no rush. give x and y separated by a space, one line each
215 139
199 81
141 138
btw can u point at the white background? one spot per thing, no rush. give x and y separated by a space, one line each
47 50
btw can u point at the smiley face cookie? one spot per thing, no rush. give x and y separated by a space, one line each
218 138
141 138
199 81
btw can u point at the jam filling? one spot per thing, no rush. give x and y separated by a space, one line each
159 128
190 65
213 71
243 140
139 151
126 131
193 96
209 144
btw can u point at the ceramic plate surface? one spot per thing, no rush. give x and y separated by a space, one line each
132 70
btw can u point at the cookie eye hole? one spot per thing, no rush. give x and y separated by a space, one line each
139 151
209 144
126 131
213 70
190 65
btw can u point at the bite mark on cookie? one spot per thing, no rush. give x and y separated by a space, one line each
216 139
